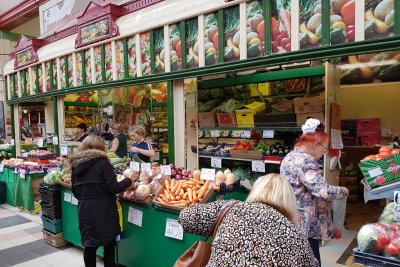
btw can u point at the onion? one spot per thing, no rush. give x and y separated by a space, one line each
178 176
172 166
227 171
190 176
185 172
230 179
219 178
142 192
173 173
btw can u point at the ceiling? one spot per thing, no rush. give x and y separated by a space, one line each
8 4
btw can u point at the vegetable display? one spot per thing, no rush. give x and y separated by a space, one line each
211 48
378 18
255 29
159 50
175 45
131 47
310 23
145 53
342 21
108 61
280 26
232 33
192 43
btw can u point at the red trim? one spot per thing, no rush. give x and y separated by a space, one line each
14 17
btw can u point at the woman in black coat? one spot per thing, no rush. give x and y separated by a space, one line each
95 186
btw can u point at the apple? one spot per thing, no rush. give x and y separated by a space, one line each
337 233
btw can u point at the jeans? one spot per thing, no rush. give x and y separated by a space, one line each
314 244
89 255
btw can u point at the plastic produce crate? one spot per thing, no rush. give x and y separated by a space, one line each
56 240
368 259
51 211
51 225
52 197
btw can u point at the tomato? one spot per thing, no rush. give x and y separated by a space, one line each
261 30
379 180
395 151
238 143
379 245
337 233
385 149
179 49
240 147
248 147
351 35
278 39
275 46
215 40
285 41
395 227
384 154
288 47
284 34
274 26
384 239
392 250
373 157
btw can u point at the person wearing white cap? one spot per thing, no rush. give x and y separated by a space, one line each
301 169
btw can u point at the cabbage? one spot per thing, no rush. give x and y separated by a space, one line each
52 177
387 215
367 237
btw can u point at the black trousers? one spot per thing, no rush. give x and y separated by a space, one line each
314 244
89 255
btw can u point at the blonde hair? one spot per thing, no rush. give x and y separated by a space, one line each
138 130
92 142
273 190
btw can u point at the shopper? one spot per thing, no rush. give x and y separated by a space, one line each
95 186
119 144
301 169
81 131
141 149
259 232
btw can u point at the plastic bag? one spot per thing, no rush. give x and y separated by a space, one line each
339 212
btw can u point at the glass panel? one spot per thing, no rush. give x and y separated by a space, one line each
88 67
175 47
145 53
34 78
119 56
310 22
21 81
40 77
159 50
132 56
27 82
97 64
78 69
70 71
211 49
255 29
280 26
55 78
379 18
63 73
192 43
108 61
231 34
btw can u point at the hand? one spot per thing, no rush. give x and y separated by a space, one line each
134 149
345 191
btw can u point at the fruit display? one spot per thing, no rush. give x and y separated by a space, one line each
255 29
384 152
381 238
39 154
210 149
12 163
211 49
378 18
281 26
175 47
231 34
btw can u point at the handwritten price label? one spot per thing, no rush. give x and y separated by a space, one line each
215 133
165 169
55 140
40 142
63 150
245 134
146 167
67 197
173 229
74 201
22 173
12 142
207 174
216 162
134 166
268 134
258 166
135 216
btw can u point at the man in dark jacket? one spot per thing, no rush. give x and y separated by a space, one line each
81 132
95 186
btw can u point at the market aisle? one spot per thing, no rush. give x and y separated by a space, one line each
22 245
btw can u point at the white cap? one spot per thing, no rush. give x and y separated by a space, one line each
310 126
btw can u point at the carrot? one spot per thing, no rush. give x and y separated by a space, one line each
167 194
178 198
284 16
194 195
165 200
173 190
197 181
173 181
178 190
203 189
216 188
185 196
181 193
167 185
190 194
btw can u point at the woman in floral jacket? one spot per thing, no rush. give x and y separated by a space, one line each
313 193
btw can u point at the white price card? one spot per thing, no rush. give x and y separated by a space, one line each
12 142
55 140
215 133
74 201
156 156
22 173
396 206
268 134
40 142
146 167
1 167
135 216
67 197
245 134
134 166
207 174
165 169
173 229
375 172
216 162
63 150
16 170
258 166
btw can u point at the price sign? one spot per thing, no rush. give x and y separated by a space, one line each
215 133
258 166
67 197
156 156
40 142
173 229
268 134
207 174
134 166
135 216
245 134
22 173
74 201
396 206
216 162
12 142
16 170
1 167
55 140
146 167
165 169
63 150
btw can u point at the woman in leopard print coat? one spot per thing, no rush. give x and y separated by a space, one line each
259 232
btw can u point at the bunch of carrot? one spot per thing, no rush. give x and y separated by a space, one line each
183 192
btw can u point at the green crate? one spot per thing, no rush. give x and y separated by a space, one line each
54 226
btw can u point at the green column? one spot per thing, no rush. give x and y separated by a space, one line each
171 140
55 113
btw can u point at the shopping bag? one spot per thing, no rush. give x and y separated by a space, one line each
119 208
339 213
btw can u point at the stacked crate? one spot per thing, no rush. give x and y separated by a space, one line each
51 214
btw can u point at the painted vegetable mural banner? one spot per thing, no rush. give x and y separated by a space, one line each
211 48
119 57
63 73
34 79
24 57
310 21
54 74
78 69
255 29
145 53
108 61
70 71
342 21
231 33
88 67
159 92
47 76
22 81
97 64
281 26
40 77
27 83
159 50
192 43
12 84
379 18
175 45
132 68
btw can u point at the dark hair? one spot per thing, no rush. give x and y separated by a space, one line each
82 126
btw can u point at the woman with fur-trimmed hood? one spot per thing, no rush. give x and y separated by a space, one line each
95 186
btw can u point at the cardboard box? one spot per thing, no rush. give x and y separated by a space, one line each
283 106
263 88
207 119
246 154
308 104
368 139
264 119
302 117
245 116
226 119
369 125
381 172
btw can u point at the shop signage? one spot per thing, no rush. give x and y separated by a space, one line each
97 23
396 206
173 229
25 51
12 142
245 134
214 133
135 216
22 173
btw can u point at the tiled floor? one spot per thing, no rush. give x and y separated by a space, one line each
21 243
